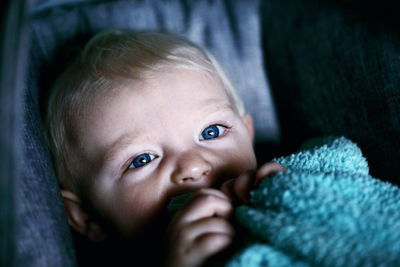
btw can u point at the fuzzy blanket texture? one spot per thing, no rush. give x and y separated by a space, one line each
325 210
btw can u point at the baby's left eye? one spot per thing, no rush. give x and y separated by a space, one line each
141 160
212 131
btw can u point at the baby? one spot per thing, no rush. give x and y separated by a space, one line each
139 118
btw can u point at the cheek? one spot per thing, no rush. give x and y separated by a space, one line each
244 158
238 158
243 152
132 209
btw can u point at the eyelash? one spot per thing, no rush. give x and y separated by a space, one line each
149 157
226 130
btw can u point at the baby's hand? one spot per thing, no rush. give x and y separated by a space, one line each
200 229
238 189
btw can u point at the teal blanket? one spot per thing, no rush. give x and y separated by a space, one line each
325 210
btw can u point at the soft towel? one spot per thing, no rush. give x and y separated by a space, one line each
325 210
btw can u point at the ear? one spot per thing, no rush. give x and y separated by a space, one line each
248 120
79 218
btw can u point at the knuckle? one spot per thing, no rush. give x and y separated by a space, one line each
219 225
212 192
214 242
208 199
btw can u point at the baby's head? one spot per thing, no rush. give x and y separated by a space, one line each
137 119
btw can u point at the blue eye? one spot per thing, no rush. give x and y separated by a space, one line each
211 132
141 160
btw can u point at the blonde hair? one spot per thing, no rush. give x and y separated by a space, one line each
111 60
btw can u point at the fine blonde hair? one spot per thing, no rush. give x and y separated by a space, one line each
110 60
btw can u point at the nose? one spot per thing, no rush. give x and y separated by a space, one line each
191 169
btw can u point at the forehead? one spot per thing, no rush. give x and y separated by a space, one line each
169 92
173 84
158 100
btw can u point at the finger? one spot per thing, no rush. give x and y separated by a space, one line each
268 169
203 204
187 246
209 245
194 230
227 189
243 184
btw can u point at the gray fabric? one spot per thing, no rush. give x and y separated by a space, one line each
43 237
13 56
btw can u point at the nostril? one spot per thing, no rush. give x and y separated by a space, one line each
193 179
190 179
195 175
191 171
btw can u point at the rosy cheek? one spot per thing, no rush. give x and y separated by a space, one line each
140 210
246 157
134 218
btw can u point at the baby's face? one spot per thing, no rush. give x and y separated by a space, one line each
159 138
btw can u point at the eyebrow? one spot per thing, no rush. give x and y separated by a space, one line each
116 148
215 106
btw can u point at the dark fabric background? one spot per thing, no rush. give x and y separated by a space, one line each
334 70
13 56
332 65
